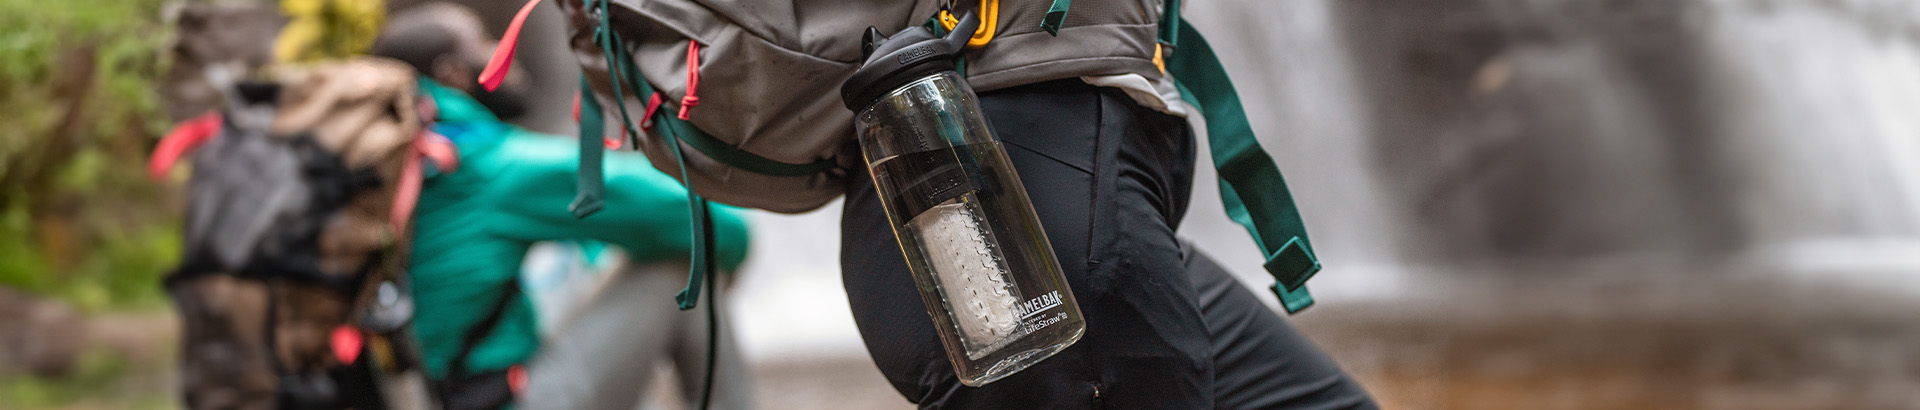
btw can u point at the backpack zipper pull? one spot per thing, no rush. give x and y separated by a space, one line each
502 60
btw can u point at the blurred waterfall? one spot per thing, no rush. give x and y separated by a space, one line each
1477 132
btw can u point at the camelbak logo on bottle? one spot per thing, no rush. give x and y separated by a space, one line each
908 55
1039 304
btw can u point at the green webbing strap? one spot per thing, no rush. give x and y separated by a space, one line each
590 179
624 73
738 158
673 130
622 70
1170 23
1250 184
1056 15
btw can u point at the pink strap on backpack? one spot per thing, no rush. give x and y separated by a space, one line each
428 146
653 106
346 342
182 139
502 60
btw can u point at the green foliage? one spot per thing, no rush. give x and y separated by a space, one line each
78 219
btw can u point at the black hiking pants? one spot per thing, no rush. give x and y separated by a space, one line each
1167 328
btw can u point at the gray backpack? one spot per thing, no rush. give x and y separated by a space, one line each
764 126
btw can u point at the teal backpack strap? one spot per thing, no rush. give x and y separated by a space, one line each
622 70
625 74
700 274
1170 23
592 184
1250 184
1056 15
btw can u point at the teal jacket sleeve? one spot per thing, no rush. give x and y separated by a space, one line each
646 211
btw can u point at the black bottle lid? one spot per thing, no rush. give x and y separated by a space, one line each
892 62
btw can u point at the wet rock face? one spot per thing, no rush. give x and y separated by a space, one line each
1544 129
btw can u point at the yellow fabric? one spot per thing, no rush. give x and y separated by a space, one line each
328 29
989 20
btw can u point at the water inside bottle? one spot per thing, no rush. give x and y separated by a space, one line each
979 257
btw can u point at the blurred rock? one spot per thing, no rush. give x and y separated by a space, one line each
38 336
214 45
1629 336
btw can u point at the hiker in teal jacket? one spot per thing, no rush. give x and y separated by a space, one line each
473 227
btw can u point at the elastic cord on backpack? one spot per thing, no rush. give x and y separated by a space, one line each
693 81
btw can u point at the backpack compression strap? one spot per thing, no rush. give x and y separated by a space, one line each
1250 184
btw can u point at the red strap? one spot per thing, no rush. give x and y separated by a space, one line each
693 79
502 60
576 106
429 146
646 119
517 380
182 139
346 343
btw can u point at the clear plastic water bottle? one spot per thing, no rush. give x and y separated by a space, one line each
969 233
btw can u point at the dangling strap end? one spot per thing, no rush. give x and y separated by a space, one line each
427 146
688 297
181 140
1056 15
591 182
502 60
584 205
1294 300
1293 264
702 264
653 106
